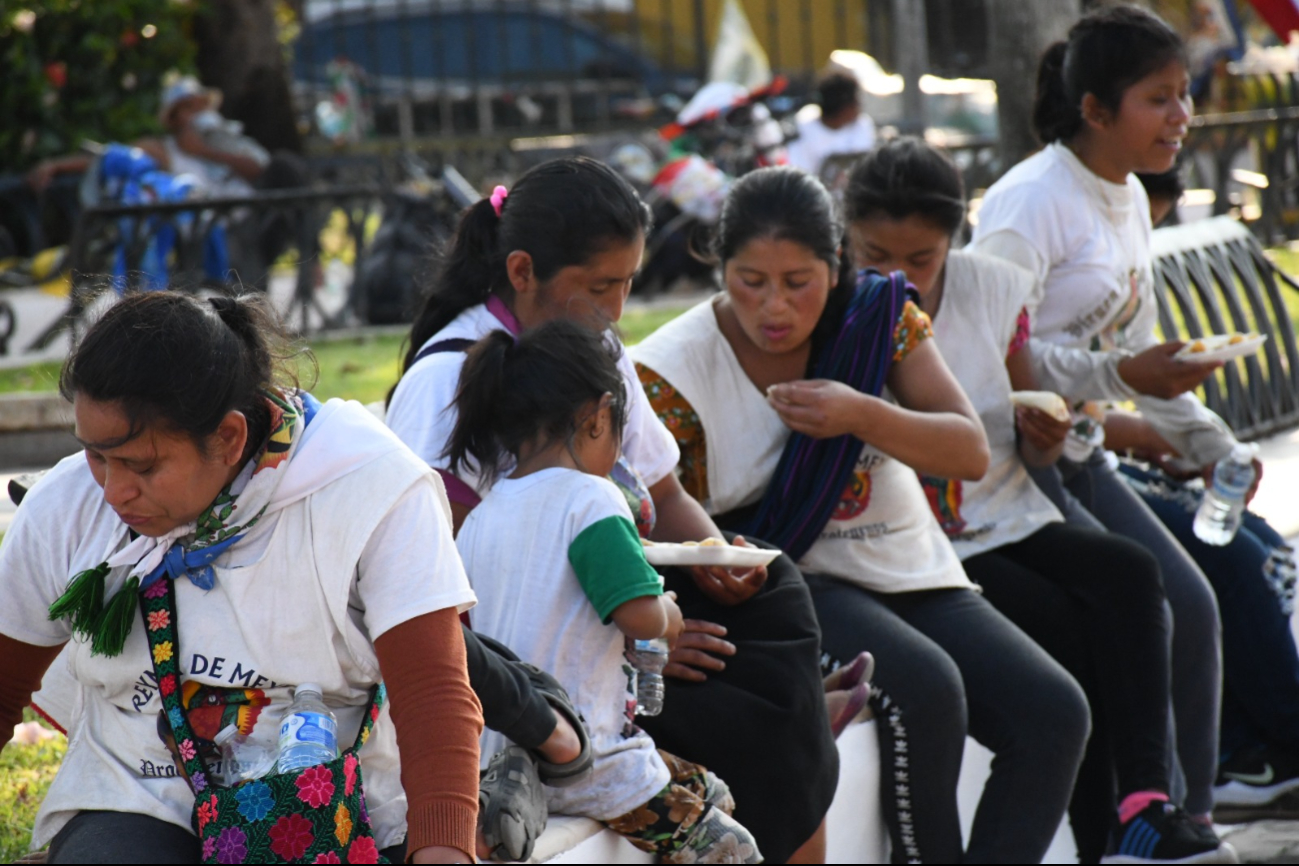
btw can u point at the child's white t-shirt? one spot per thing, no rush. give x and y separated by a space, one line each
550 556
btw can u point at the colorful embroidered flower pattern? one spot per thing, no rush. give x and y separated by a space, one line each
162 652
158 590
327 857
682 421
207 812
199 781
255 801
168 684
176 717
209 848
186 748
232 846
291 837
315 786
159 619
342 824
349 774
363 850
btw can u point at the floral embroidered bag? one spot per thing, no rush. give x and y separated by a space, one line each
314 815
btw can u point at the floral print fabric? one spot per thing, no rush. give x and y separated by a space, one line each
689 821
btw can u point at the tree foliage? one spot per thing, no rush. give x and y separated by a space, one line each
78 70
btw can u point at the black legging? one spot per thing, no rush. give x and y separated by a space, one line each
948 663
1096 603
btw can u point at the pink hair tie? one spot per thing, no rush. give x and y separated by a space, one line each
498 199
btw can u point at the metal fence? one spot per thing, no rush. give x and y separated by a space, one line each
112 246
1249 158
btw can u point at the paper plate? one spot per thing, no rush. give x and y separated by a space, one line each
729 556
1219 348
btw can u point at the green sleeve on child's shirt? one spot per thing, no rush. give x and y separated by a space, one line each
610 565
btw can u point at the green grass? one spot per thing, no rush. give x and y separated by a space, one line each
358 368
25 775
37 377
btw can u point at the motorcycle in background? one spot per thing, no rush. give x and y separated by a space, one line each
723 132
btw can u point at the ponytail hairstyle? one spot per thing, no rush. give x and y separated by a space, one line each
1107 52
561 213
172 359
903 177
513 393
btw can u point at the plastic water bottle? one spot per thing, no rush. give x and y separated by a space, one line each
242 759
1224 501
309 732
649 657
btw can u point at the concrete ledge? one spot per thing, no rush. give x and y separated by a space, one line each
34 410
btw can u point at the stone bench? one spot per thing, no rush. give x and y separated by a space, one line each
855 823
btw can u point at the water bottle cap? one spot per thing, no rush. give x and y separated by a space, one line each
226 734
308 688
1244 452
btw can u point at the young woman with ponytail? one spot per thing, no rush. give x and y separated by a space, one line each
1112 100
210 479
564 243
1093 600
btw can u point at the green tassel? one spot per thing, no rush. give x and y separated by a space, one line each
115 622
83 601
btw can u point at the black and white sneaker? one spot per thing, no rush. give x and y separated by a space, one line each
1256 777
1163 833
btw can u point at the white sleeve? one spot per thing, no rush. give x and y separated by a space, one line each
1198 434
1078 374
422 412
648 445
34 571
410 565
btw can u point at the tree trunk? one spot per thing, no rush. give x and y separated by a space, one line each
912 40
1018 33
239 52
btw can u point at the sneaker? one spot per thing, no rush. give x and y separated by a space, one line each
1163 833
1256 777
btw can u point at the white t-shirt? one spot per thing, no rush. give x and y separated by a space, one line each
551 555
300 599
882 535
816 141
975 324
1087 240
422 411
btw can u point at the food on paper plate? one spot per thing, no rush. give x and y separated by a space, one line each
1043 401
1221 347
712 542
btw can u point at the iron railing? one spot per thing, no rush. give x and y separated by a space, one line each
256 230
1213 277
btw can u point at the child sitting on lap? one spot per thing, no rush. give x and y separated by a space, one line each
556 561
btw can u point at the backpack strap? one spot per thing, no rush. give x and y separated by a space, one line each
458 344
